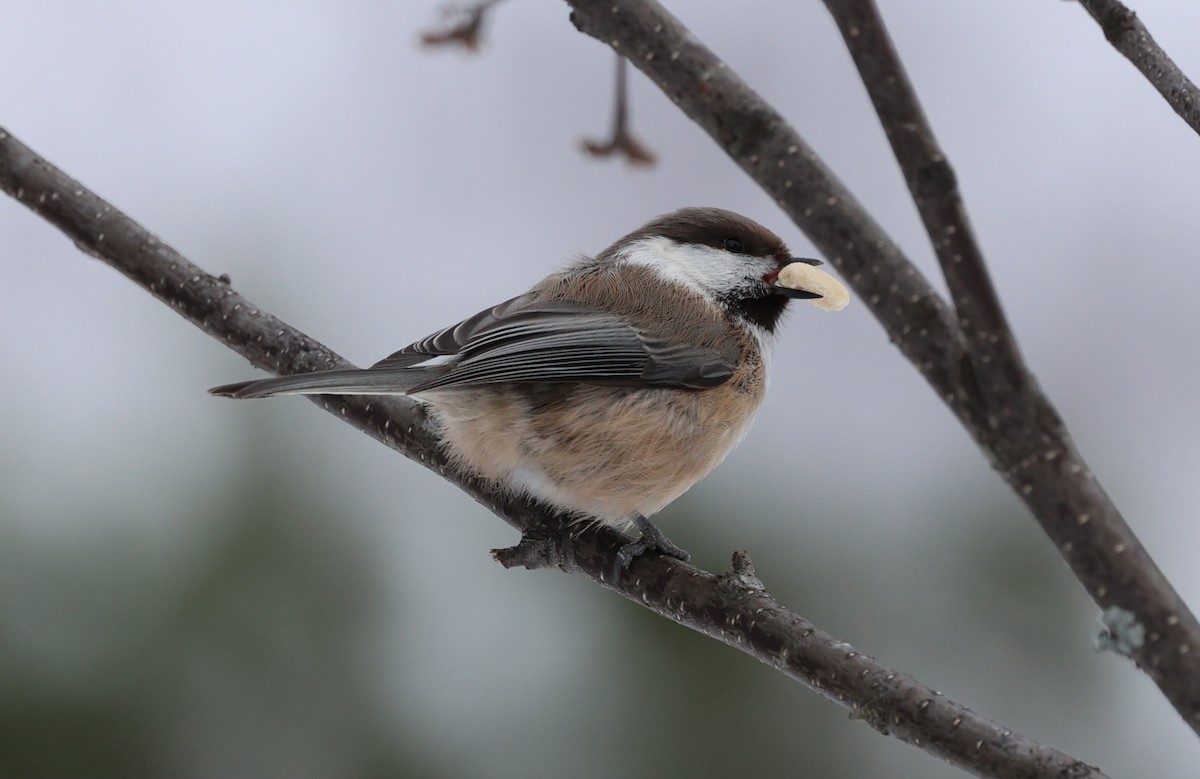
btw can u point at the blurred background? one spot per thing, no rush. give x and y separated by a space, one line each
193 587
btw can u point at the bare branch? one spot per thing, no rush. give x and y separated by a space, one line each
1130 37
934 189
621 141
733 607
1017 428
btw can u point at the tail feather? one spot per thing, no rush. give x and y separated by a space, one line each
346 382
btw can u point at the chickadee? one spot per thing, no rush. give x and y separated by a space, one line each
610 387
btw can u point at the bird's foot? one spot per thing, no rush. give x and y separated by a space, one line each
651 539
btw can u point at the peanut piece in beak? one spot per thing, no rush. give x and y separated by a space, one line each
805 277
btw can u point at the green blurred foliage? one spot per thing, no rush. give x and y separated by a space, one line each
242 654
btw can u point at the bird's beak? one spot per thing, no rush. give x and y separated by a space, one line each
795 294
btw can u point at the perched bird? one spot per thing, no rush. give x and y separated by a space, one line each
610 387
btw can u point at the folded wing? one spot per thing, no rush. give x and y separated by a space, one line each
527 339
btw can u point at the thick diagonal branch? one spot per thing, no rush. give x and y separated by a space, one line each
1017 428
733 608
934 189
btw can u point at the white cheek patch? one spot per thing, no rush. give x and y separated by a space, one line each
701 268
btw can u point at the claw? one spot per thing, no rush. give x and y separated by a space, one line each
651 539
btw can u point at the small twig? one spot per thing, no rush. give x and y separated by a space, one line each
621 141
467 28
733 607
1025 440
1129 36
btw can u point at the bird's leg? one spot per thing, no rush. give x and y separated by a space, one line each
651 539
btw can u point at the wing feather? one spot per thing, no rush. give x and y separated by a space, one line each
531 339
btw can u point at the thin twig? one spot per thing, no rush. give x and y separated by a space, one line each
621 141
1018 429
733 607
467 31
1129 36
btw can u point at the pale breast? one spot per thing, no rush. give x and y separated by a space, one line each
609 452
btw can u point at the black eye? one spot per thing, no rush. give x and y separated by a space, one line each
733 245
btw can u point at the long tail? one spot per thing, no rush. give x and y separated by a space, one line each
348 382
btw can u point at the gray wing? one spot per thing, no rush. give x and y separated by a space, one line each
525 339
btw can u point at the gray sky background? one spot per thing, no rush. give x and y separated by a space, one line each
369 192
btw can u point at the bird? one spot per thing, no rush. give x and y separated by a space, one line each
612 385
